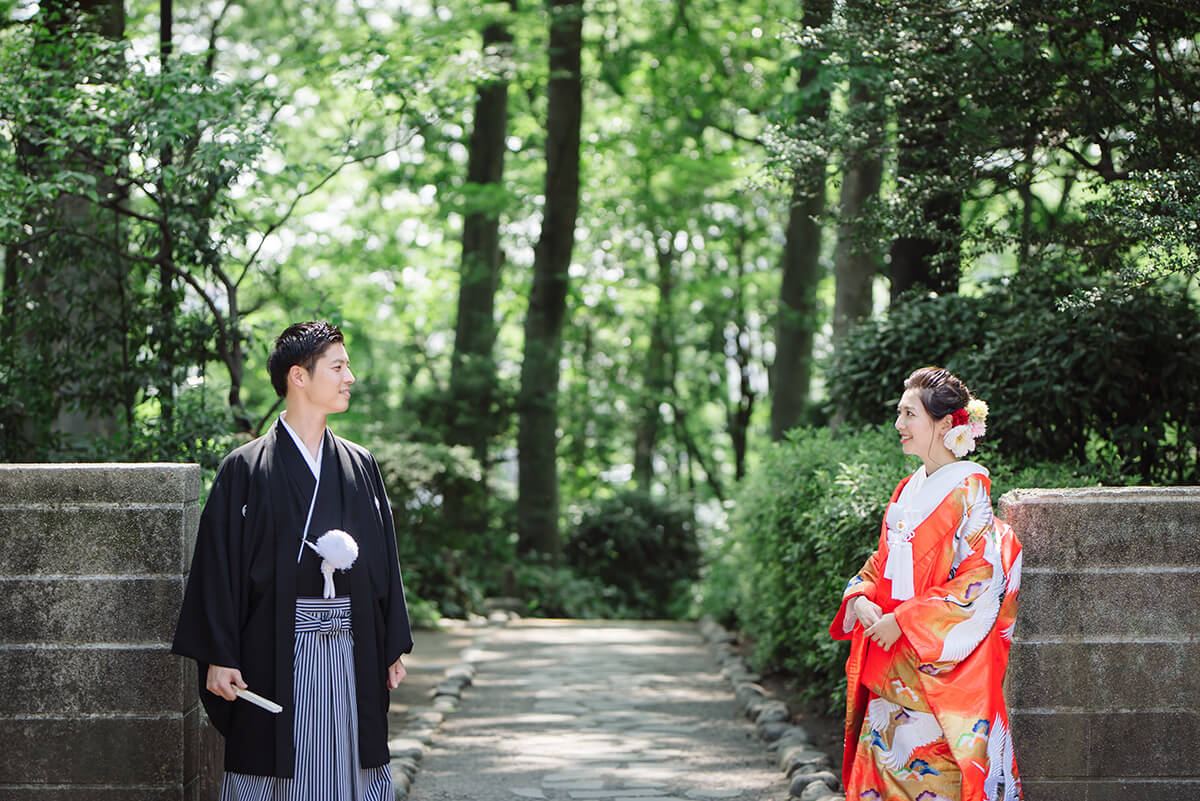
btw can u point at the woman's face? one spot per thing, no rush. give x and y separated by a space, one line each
920 434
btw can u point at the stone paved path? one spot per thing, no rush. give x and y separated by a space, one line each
596 711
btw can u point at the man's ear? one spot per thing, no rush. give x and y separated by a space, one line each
297 376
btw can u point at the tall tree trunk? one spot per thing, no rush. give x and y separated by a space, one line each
472 367
167 301
856 260
796 320
930 260
68 274
658 364
742 407
583 411
537 436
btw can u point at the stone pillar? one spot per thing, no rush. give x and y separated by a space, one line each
1104 681
92 566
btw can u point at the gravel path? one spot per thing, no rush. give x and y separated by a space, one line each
596 711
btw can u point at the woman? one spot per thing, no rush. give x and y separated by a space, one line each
930 619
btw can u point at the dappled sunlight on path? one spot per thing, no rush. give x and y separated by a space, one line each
583 710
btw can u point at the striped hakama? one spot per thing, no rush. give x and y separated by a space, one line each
326 726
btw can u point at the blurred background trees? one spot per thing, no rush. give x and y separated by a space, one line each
598 256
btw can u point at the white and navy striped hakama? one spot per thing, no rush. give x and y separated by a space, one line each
326 726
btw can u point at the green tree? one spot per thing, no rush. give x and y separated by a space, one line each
473 378
100 214
537 404
856 259
796 318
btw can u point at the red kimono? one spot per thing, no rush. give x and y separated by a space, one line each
926 720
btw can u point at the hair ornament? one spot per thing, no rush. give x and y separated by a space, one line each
970 423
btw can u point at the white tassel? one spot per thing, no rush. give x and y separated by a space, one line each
338 551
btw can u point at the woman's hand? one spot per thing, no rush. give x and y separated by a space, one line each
224 681
866 611
885 631
396 673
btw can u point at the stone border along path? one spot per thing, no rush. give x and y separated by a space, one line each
809 772
603 711
409 748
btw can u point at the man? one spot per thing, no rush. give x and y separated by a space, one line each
253 614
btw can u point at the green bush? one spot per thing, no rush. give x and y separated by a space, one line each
643 547
442 564
805 522
1113 383
559 591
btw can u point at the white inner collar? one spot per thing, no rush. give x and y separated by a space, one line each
313 462
918 499
923 493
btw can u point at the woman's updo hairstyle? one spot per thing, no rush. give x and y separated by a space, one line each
941 392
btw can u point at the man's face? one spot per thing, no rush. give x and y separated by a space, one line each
327 388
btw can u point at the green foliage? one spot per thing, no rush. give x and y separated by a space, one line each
201 434
1019 105
341 193
805 522
117 212
1114 379
1156 214
559 591
641 546
448 567
422 614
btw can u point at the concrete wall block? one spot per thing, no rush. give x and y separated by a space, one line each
203 756
1033 733
203 753
1126 604
1106 745
92 566
1112 790
1102 676
1106 527
77 793
91 681
1148 743
100 483
1102 679
126 751
191 528
108 539
212 760
1116 745
116 610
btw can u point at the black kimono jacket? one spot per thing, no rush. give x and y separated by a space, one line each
239 604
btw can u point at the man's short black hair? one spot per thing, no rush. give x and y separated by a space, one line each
302 344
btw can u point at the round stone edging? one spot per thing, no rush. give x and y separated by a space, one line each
808 769
408 748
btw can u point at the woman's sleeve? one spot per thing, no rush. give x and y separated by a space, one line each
948 621
861 583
